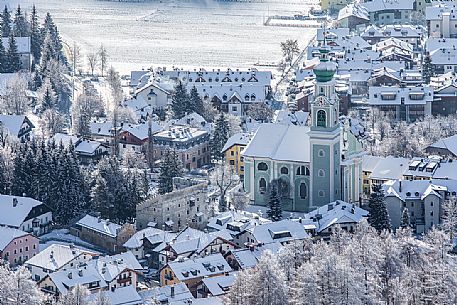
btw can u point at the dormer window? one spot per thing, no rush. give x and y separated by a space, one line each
321 119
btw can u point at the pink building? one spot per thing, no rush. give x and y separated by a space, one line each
17 246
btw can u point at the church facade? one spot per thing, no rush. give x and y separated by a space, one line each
312 165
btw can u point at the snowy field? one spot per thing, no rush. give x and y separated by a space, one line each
179 32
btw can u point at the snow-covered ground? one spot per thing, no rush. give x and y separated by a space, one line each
175 32
63 237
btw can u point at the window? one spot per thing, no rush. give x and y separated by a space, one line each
284 170
262 186
321 193
252 97
302 191
321 173
232 162
321 118
262 166
321 153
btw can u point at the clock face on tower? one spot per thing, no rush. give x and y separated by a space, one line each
321 101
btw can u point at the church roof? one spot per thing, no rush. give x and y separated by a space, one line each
325 70
280 142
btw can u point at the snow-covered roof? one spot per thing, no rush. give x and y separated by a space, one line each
13 123
393 42
419 189
337 212
136 241
288 117
280 231
249 257
390 168
141 131
7 235
179 134
135 77
219 285
56 256
15 214
164 294
65 139
120 296
397 30
210 265
104 128
85 274
444 56
353 10
370 162
382 5
386 95
23 44
198 244
87 147
192 119
436 12
102 226
280 142
248 92
241 138
235 221
110 267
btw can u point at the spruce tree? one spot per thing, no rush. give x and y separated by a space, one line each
220 137
180 101
35 36
13 59
379 217
20 24
196 102
405 221
170 167
274 211
3 59
427 69
6 23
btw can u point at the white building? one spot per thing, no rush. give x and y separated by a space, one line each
383 12
283 232
441 20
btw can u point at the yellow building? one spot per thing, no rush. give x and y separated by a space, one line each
232 151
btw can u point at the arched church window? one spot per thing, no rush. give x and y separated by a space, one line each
321 173
284 170
302 191
306 171
262 186
321 193
262 166
321 153
301 171
321 118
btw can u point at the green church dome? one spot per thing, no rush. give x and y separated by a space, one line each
325 70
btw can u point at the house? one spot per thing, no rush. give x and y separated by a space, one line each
135 243
404 32
169 294
17 126
25 214
23 49
87 151
103 233
441 20
383 12
283 232
232 151
378 170
446 147
59 283
155 94
236 223
121 296
103 131
185 206
422 198
402 103
352 15
56 257
191 145
311 164
339 213
135 137
216 286
118 270
192 271
333 6
444 59
247 258
17 246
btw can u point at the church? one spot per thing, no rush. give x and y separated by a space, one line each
313 165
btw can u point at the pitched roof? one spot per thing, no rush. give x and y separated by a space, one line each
241 138
65 280
199 267
110 267
418 189
56 256
280 142
163 294
102 226
15 215
280 231
7 235
219 285
121 296
12 122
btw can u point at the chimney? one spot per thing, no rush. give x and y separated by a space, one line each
172 293
399 185
51 255
80 272
14 202
70 276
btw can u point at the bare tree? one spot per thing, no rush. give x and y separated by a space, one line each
449 223
15 100
93 61
51 123
260 112
289 49
103 55
224 178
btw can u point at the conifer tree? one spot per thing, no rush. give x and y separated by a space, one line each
379 217
35 36
274 211
196 102
427 69
405 221
13 59
220 137
3 62
21 27
180 101
170 167
6 23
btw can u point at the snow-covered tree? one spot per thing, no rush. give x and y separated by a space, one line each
427 69
6 22
35 36
52 122
17 287
289 49
274 210
405 221
79 295
196 101
14 99
220 136
260 112
379 217
170 167
93 60
224 178
180 102
449 218
21 27
234 123
13 59
103 55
